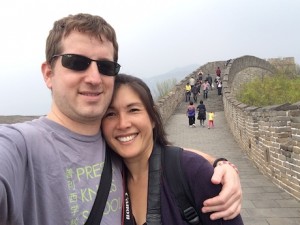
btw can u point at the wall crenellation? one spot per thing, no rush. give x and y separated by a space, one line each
283 63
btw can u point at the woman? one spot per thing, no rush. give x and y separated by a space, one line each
190 112
201 113
205 88
133 128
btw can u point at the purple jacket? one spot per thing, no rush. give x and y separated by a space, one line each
198 172
191 111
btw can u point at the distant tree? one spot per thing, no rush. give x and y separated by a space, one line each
165 87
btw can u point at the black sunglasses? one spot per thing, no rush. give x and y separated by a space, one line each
80 63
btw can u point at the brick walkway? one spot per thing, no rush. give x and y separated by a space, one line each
263 202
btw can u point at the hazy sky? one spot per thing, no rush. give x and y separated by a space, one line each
155 36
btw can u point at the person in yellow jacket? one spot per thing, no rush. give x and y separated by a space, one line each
188 89
211 117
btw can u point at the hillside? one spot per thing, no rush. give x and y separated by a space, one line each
178 74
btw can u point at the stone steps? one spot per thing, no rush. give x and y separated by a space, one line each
213 103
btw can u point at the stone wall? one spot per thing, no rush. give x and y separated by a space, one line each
245 69
286 64
270 135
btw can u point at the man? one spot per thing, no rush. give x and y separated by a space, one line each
50 168
200 77
209 79
196 91
192 82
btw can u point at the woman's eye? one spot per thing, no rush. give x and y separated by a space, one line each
134 110
110 114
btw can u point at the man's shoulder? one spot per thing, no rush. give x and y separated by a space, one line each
16 127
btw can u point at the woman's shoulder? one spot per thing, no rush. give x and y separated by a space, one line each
189 156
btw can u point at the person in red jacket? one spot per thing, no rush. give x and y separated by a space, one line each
218 72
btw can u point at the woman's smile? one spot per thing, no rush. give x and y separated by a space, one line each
126 138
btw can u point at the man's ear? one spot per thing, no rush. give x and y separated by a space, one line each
47 74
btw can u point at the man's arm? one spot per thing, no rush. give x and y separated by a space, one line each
227 204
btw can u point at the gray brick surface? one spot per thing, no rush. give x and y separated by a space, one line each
263 202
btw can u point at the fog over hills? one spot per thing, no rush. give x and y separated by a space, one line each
178 74
34 99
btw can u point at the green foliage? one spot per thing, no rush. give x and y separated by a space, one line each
165 87
270 90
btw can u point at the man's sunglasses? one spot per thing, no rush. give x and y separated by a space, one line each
80 63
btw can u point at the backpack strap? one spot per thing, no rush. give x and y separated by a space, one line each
179 186
102 193
153 203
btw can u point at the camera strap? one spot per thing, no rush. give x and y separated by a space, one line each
102 193
153 216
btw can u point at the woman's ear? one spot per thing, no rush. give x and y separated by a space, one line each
156 111
153 125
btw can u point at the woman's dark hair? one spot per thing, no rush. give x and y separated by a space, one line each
143 91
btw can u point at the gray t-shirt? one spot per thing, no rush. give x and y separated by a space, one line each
50 175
